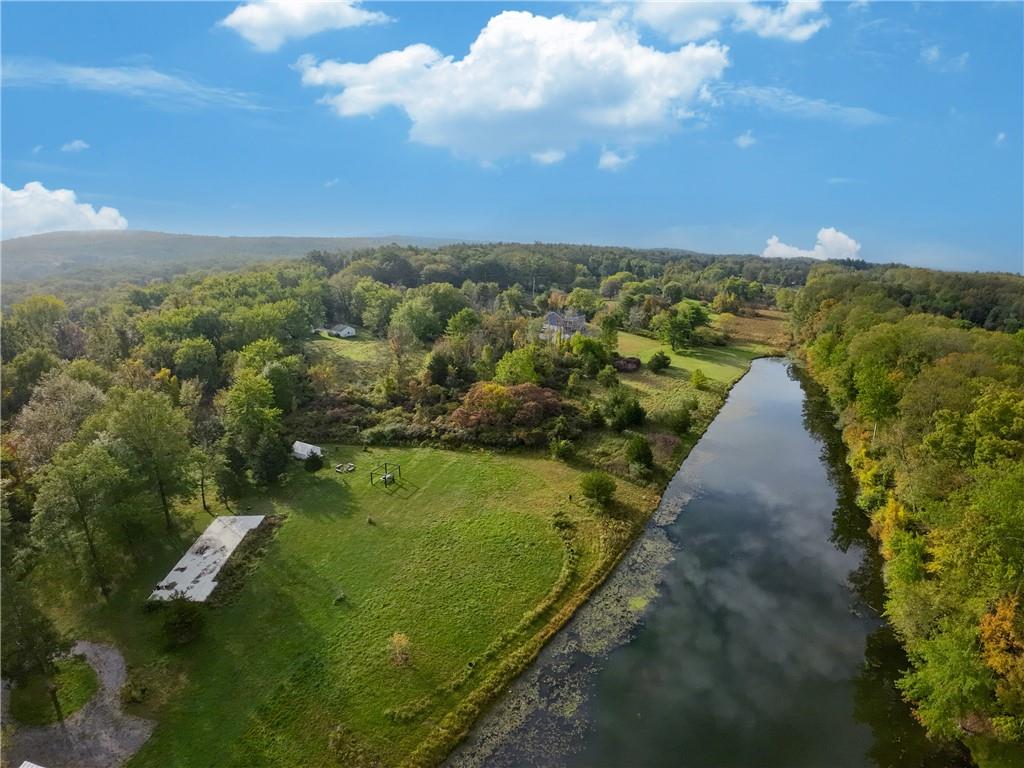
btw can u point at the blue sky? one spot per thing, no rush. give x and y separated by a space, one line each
887 130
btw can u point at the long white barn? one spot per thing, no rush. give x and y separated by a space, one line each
195 575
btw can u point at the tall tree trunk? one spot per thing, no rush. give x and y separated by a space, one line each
202 491
163 500
92 551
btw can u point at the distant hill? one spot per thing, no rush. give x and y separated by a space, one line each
140 254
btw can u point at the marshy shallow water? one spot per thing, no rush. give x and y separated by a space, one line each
741 629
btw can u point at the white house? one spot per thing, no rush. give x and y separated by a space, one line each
341 331
303 451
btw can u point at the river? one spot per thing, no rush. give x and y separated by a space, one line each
742 629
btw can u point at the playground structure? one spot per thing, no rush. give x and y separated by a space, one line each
387 473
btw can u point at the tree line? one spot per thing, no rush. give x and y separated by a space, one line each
926 371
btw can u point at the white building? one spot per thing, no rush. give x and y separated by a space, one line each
303 451
341 331
195 575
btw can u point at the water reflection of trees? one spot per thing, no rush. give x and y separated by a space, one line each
898 739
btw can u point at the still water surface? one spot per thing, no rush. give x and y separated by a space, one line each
742 630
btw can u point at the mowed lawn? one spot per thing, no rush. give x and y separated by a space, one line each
453 557
664 392
358 359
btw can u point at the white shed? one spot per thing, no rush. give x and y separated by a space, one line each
303 451
341 331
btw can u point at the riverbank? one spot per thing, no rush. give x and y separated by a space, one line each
659 394
725 628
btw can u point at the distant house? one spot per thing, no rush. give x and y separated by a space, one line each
341 331
303 451
558 326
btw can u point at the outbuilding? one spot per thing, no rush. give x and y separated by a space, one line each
341 331
303 451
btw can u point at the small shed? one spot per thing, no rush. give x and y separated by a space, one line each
341 331
303 451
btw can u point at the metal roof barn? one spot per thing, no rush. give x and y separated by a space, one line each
195 575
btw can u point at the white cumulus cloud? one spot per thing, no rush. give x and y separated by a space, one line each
269 24
529 86
34 209
683 22
832 244
75 146
745 140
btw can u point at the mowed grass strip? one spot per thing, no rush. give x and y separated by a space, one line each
453 557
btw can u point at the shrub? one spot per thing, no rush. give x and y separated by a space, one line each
623 410
680 421
638 451
659 361
398 646
313 463
598 487
699 379
607 377
561 449
184 621
574 385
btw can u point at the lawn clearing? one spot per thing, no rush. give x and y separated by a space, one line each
76 683
456 557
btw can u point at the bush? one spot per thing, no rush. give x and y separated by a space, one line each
623 410
607 377
184 621
659 361
598 487
680 421
699 379
398 646
638 451
561 449
313 463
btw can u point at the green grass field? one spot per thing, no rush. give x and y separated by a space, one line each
359 359
76 683
463 557
664 393
454 557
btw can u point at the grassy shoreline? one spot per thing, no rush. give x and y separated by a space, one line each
459 723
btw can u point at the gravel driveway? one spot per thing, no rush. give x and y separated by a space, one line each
99 735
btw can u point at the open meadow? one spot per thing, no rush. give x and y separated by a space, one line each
458 556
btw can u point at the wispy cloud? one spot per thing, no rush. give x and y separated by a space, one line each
1000 138
745 140
37 149
932 56
168 91
841 180
611 160
77 145
331 182
783 101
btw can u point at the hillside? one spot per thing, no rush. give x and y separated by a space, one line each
153 254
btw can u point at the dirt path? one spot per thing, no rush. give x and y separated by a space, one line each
99 735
